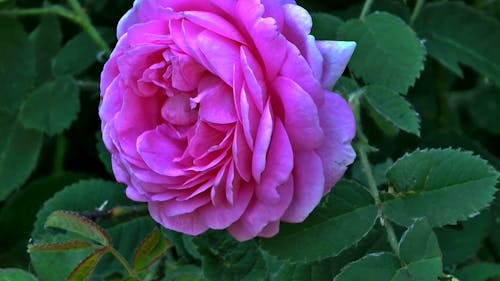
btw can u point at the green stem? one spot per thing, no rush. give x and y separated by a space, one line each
391 236
124 262
366 9
416 11
84 21
50 10
60 154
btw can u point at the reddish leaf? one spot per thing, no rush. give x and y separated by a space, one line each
151 249
86 267
70 245
81 225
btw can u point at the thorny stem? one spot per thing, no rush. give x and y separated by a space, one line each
76 14
84 21
124 262
366 9
391 236
50 10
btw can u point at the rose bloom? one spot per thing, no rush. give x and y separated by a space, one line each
219 113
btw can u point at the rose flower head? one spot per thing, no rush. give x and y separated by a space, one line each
219 114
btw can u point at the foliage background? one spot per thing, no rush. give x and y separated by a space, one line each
426 74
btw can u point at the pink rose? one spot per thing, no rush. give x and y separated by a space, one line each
219 113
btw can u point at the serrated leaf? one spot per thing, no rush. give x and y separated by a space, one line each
60 106
95 192
327 268
419 250
388 52
46 40
387 127
17 64
443 185
347 216
21 208
325 26
459 243
150 250
126 238
478 272
19 150
83 271
393 107
76 55
78 224
225 259
377 266
69 245
15 274
467 46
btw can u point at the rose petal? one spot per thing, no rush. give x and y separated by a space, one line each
263 139
309 186
336 55
339 127
299 115
187 223
279 165
159 151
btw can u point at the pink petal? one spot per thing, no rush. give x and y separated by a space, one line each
215 23
263 139
216 103
242 155
221 54
258 215
336 55
299 115
159 152
173 207
186 223
270 230
254 78
309 185
279 165
339 126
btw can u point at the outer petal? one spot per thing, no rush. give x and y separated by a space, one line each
336 56
339 127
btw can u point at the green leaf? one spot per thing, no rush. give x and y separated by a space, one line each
78 224
60 103
19 150
76 56
95 192
327 268
46 41
15 274
430 183
21 208
471 46
388 52
387 127
225 259
103 153
393 107
377 266
126 240
184 273
83 271
420 252
459 243
325 26
484 108
150 250
478 272
379 170
347 216
69 245
345 86
17 65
